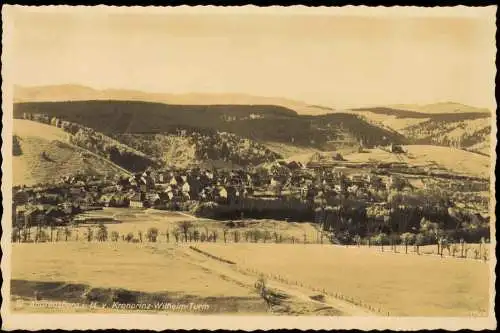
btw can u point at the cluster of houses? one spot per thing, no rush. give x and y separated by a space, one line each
168 189
277 179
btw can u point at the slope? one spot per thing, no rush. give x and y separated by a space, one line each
444 124
444 159
195 147
45 155
467 134
451 159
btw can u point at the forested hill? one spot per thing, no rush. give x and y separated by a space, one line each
263 123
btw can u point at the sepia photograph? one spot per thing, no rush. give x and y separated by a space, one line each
248 168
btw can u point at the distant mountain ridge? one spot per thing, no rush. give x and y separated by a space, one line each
76 92
468 112
441 107
66 93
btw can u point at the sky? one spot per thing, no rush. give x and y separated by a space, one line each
325 58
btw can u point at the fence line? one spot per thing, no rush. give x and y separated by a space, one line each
336 295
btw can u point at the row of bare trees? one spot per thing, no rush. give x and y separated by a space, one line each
453 249
185 232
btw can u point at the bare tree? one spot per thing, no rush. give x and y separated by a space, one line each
357 240
102 233
466 250
267 236
129 237
196 235
67 233
257 235
185 226
477 253
261 286
485 255
419 241
407 238
482 245
236 236
152 234
115 236
90 234
206 232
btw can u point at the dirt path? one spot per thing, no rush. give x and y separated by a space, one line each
188 215
244 278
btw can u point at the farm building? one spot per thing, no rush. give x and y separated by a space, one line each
137 201
397 149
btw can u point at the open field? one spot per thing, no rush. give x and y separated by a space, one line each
454 160
145 268
110 273
288 151
135 220
370 281
159 273
389 121
403 285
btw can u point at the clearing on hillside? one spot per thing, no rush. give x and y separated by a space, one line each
45 155
451 159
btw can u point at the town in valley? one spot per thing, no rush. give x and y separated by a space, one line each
249 163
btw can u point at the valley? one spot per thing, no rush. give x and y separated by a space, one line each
239 206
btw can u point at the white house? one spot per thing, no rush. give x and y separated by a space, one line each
186 188
153 197
353 189
160 178
223 192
